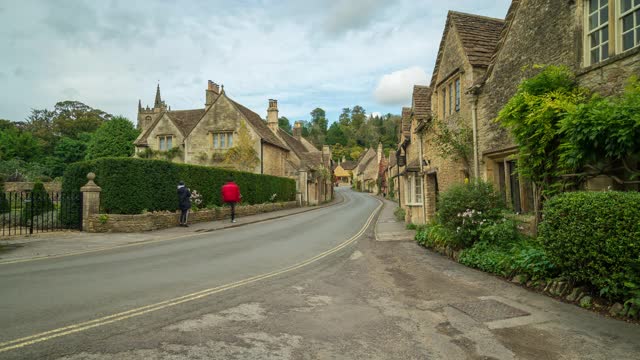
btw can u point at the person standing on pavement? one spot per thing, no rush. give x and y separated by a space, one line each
184 203
231 196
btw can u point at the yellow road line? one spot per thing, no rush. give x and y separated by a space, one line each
48 335
44 257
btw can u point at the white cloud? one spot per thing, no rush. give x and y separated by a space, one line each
396 88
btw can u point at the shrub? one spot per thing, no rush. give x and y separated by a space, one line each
434 236
4 203
400 214
130 185
465 208
500 233
594 237
514 257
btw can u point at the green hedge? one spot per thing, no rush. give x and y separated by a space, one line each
594 238
131 185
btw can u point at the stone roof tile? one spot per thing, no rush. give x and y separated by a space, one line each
421 102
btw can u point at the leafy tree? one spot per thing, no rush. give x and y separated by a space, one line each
40 125
603 132
356 151
70 150
319 120
72 118
345 117
453 141
243 155
284 124
7 124
114 138
335 135
18 144
533 116
358 116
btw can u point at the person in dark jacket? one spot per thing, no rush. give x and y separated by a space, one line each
231 195
184 203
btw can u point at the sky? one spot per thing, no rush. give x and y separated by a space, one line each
327 53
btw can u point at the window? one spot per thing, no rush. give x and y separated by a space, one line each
414 190
630 23
457 95
444 102
165 142
450 99
598 30
222 140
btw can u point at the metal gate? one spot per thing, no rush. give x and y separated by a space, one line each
24 213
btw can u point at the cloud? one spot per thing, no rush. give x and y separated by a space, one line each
396 88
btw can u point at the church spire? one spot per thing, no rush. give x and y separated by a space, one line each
158 102
139 105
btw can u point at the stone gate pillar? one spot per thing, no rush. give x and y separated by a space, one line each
90 200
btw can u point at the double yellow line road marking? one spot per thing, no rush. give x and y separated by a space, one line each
67 330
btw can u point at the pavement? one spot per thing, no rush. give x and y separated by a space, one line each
318 285
61 243
388 228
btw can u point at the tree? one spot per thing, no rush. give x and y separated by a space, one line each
72 118
40 125
284 124
345 117
113 138
533 116
243 155
319 120
335 135
70 150
18 144
358 117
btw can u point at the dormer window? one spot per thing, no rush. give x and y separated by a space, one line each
165 142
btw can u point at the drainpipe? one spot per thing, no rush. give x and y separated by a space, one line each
424 203
398 177
474 120
261 156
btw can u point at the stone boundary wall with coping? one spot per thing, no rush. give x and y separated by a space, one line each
100 223
28 186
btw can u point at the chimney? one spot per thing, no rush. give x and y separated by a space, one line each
212 93
297 130
343 159
272 115
380 154
326 155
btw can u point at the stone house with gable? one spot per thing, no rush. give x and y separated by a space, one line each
343 172
204 135
466 47
598 40
366 170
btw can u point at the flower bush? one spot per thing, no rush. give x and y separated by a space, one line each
196 199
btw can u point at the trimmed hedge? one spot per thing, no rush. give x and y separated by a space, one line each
131 185
594 238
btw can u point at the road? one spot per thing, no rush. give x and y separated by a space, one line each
310 286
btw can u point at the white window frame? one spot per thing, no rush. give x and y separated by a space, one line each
221 140
413 197
620 28
165 142
587 38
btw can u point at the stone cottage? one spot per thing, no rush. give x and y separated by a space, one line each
343 172
598 40
466 47
203 136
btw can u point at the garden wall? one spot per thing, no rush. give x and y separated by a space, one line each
28 186
166 219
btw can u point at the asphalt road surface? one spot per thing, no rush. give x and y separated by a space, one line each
311 286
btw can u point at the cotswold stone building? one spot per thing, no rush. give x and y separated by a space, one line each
598 40
203 136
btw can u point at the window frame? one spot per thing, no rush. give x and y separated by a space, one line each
413 197
165 142
588 32
457 87
620 25
221 140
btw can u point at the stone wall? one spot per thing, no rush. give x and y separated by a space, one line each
28 186
163 220
610 77
274 158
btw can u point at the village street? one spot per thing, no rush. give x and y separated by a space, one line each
316 285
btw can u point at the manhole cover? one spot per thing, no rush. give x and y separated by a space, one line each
489 310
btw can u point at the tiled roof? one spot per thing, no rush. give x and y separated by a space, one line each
421 102
511 14
260 126
292 142
364 161
186 120
311 159
406 122
479 36
348 165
